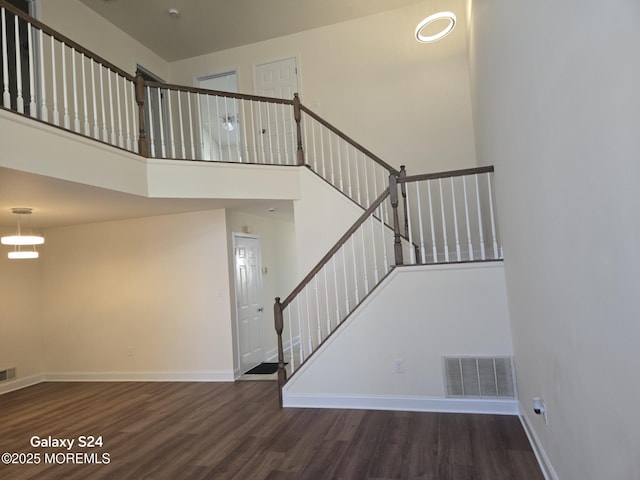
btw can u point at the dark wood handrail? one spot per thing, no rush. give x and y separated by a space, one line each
66 40
367 213
220 93
349 140
447 174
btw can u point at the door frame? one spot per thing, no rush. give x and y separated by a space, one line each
234 236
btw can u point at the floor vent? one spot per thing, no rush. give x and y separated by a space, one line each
8 374
491 377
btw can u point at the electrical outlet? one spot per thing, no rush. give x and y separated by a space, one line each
398 364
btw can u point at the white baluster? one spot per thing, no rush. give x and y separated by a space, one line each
87 127
444 222
163 148
316 288
313 142
261 132
423 250
44 113
433 230
253 129
455 220
366 182
243 124
340 165
151 133
112 122
56 114
348 164
326 298
408 213
355 269
219 123
279 136
322 157
135 129
32 93
493 220
365 270
19 97
374 251
335 287
6 96
384 242
65 100
481 233
346 283
292 357
310 341
181 124
331 162
466 213
284 135
119 104
76 117
270 136
200 130
126 113
357 177
172 142
96 133
193 154
105 132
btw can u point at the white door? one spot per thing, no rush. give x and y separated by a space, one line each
277 79
248 300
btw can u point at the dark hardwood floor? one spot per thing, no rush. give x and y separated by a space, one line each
236 431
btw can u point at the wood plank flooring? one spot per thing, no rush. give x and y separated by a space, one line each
192 431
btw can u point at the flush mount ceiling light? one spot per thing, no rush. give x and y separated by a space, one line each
173 12
449 17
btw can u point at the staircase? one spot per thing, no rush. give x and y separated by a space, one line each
406 220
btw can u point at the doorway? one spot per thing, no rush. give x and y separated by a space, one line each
220 118
249 308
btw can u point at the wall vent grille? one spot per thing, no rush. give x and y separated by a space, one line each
7 374
485 377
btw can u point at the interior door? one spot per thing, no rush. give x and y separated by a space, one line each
248 301
277 79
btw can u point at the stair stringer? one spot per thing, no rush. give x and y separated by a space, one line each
415 316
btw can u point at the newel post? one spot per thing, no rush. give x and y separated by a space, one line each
393 193
297 115
403 190
143 145
282 373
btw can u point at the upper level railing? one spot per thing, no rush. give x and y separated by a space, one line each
49 77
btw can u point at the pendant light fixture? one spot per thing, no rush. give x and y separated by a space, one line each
31 239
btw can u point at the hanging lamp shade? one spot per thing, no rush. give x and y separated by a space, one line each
20 239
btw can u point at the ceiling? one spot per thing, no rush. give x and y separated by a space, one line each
205 26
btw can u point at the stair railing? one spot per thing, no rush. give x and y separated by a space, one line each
451 216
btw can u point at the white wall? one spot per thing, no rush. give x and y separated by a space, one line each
418 315
407 102
21 338
157 285
322 216
82 25
557 105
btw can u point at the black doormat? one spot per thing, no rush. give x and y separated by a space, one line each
265 368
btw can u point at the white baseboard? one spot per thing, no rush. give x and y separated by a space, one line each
139 377
543 460
20 383
413 404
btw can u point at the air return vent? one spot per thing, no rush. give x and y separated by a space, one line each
8 374
491 377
